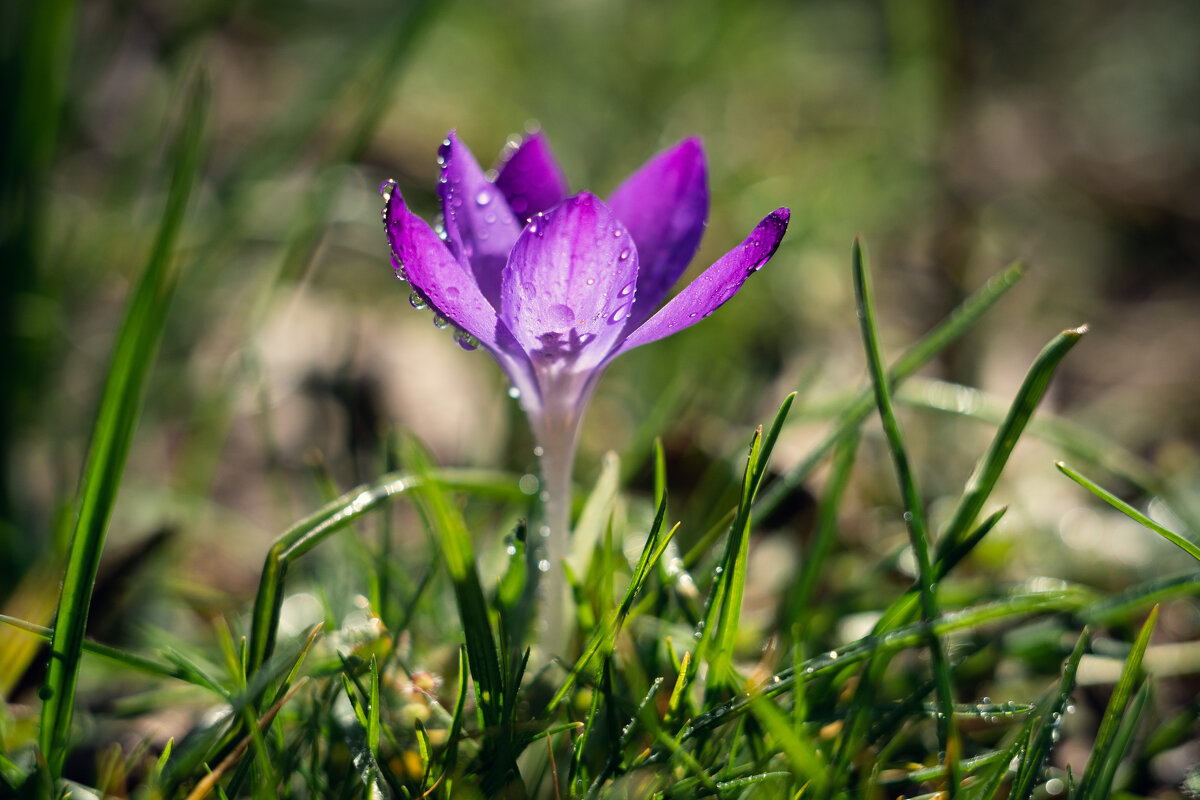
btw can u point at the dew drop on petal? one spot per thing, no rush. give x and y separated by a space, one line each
452 292
591 281
483 198
624 254
561 315
626 289
417 301
466 341
514 393
616 233
440 322
617 316
385 188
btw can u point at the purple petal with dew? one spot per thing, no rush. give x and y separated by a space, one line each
480 227
715 285
444 283
531 179
569 285
664 205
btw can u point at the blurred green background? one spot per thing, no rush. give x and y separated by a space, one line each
954 136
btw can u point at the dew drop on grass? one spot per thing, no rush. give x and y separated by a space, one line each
511 549
544 531
543 566
538 451
833 655
528 484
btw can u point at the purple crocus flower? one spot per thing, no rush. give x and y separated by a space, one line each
556 286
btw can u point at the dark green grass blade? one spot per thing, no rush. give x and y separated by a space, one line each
962 319
991 780
449 533
914 514
1117 608
1102 749
1102 788
1182 542
987 471
120 408
1043 740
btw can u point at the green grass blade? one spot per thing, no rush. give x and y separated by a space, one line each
1102 750
914 514
987 471
1049 719
960 320
120 408
449 532
1120 745
990 783
1156 590
1182 542
803 756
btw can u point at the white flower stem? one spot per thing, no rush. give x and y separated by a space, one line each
558 435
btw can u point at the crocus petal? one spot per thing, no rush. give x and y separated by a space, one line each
480 227
569 285
447 286
715 285
664 205
531 179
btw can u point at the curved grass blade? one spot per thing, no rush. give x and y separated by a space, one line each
120 408
1182 542
1102 749
914 514
960 320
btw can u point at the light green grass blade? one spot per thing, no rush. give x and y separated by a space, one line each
960 320
1102 748
987 471
914 513
120 408
1182 542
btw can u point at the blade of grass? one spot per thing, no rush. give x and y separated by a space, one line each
1183 543
120 408
449 533
1120 745
960 320
987 471
1049 720
1106 736
914 515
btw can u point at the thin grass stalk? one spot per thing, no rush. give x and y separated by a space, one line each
914 515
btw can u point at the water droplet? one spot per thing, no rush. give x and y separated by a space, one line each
718 570
543 566
385 188
809 671
1071 708
986 701
539 451
514 393
616 233
533 228
833 655
756 243
483 198
591 281
561 315
416 301
624 254
627 289
511 549
440 322
544 531
692 314
466 341
452 292
489 218
908 517
617 316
